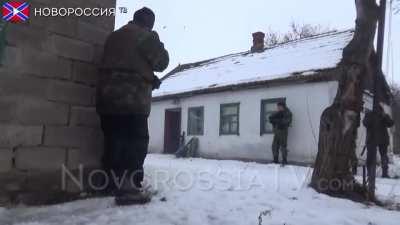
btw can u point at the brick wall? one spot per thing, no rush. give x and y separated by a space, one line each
47 93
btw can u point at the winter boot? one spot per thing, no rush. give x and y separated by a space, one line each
385 173
133 197
284 162
129 194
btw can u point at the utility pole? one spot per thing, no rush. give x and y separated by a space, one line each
381 32
380 45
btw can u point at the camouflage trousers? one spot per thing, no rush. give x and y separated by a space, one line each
371 157
279 144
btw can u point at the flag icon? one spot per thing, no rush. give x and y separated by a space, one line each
15 11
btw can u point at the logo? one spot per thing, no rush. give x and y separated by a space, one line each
15 11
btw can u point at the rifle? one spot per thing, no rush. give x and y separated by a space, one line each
363 151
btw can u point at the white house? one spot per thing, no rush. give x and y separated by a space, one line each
225 101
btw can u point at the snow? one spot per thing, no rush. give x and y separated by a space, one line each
303 57
394 169
201 191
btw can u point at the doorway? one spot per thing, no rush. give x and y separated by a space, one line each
172 130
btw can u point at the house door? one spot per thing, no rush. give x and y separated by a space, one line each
172 130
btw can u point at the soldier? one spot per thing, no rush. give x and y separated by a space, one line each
378 137
280 121
131 55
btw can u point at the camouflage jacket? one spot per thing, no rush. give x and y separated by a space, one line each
126 75
377 125
281 120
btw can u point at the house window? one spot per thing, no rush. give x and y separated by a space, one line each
229 120
196 121
268 107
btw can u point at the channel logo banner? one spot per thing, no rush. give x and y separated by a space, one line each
15 12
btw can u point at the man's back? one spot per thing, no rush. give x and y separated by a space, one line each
135 49
131 54
377 124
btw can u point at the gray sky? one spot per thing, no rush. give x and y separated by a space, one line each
201 29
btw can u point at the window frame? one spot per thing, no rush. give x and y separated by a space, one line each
221 133
263 118
202 121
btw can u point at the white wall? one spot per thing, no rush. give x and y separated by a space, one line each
306 101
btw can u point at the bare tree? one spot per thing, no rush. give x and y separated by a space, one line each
296 32
339 122
396 7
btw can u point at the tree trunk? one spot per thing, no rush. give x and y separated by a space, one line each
396 117
339 122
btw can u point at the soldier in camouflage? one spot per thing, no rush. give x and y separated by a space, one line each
377 124
126 80
280 121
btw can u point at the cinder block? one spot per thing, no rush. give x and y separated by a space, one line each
85 73
8 108
44 64
71 48
98 54
78 137
6 158
92 34
40 21
40 158
88 158
84 116
36 111
66 26
72 93
25 35
17 135
104 22
11 57
12 85
12 181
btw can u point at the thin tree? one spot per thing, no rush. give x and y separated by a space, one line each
339 122
296 32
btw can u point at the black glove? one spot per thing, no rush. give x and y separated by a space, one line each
156 83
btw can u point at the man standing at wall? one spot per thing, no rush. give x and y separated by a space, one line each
131 55
280 121
377 124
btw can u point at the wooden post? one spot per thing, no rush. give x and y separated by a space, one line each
381 32
380 46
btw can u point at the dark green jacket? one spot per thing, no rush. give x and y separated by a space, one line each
377 131
281 120
126 75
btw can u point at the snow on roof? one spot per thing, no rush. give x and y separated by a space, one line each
302 56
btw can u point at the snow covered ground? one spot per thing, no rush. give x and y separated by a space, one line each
199 191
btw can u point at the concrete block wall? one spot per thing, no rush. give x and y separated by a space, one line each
47 92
